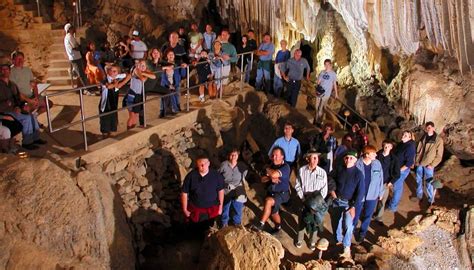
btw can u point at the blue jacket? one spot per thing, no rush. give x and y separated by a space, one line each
376 188
178 74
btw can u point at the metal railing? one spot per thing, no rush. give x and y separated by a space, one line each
347 112
84 118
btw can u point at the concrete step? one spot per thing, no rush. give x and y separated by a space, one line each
59 63
40 20
58 72
59 80
26 7
42 26
59 87
58 54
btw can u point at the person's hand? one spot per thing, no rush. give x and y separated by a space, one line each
389 185
380 198
183 65
286 78
186 213
429 167
352 212
220 209
7 117
17 110
225 57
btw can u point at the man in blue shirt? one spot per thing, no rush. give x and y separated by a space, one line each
290 145
265 53
349 192
209 38
292 72
278 175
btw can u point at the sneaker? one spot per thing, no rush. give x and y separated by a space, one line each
202 99
346 253
312 246
40 141
257 226
276 230
298 244
30 146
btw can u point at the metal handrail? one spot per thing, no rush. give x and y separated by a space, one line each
353 111
84 119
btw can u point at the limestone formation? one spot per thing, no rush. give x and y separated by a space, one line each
238 248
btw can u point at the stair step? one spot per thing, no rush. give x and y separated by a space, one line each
59 80
58 53
58 72
26 7
59 87
59 64
42 26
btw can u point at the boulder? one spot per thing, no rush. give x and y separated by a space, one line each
238 248
456 176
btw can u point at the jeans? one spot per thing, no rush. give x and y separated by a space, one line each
175 101
30 130
398 190
381 208
77 67
342 222
427 174
261 74
322 103
225 73
364 211
238 207
247 69
277 86
293 92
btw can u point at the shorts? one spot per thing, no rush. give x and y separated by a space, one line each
134 99
280 198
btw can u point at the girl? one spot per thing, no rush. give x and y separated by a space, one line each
216 68
135 95
94 71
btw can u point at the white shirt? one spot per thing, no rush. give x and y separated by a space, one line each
311 180
139 49
70 43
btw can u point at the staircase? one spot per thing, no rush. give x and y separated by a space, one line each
26 16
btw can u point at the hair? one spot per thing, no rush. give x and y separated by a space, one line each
412 135
329 124
5 65
284 40
388 141
233 150
429 123
150 52
368 149
167 52
327 61
280 149
245 36
225 30
267 34
174 32
251 31
89 44
288 123
14 54
202 156
181 27
109 67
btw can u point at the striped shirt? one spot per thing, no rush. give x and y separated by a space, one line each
311 180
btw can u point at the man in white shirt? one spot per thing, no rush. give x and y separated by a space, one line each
138 47
74 55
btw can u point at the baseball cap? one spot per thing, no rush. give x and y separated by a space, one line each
67 27
312 152
135 33
351 153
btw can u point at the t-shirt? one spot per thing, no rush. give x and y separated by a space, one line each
327 79
291 148
284 184
194 37
203 190
9 96
367 175
22 77
209 39
270 48
295 69
139 49
70 44
282 56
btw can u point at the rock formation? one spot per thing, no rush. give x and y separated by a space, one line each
50 219
238 248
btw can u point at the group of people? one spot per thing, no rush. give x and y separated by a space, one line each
20 104
352 185
162 70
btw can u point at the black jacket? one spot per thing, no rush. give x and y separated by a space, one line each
391 167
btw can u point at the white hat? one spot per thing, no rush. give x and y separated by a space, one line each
67 27
135 33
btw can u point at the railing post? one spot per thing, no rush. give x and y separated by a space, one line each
221 82
84 132
187 88
48 116
242 73
38 5
144 105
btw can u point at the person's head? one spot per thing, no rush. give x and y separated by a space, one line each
181 30
288 129
429 128
407 135
355 127
127 39
173 38
169 54
112 70
283 44
297 54
278 155
217 46
91 46
245 38
327 64
154 54
328 128
18 58
135 35
194 27
69 28
208 28
347 140
313 158
251 34
350 158
267 38
369 152
202 164
203 54
225 35
24 106
387 145
233 155
141 64
5 71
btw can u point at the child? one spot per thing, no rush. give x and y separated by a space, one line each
110 87
204 73
135 95
170 80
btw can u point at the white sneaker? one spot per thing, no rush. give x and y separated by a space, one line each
202 99
346 253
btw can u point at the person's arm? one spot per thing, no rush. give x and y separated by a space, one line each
394 169
298 186
324 190
184 204
336 95
409 154
308 70
124 81
439 154
381 188
90 59
221 200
